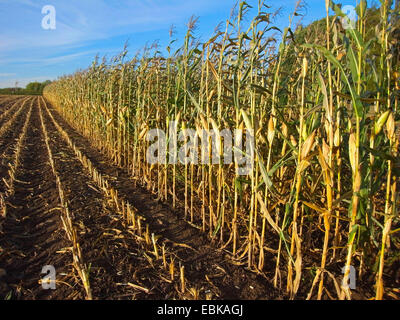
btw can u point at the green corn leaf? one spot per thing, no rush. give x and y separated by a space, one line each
357 105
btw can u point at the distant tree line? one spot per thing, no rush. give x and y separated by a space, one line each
32 88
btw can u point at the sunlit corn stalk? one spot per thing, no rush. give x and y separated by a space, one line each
327 154
17 154
302 153
390 203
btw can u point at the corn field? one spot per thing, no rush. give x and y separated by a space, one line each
321 101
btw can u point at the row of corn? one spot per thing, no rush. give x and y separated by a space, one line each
323 107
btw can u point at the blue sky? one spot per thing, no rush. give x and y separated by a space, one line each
87 27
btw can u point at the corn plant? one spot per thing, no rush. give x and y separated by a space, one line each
322 104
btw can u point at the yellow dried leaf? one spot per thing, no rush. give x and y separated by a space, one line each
284 130
352 151
308 145
390 126
381 121
305 67
271 131
337 138
303 165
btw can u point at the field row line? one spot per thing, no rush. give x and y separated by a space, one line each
6 100
12 108
78 262
14 165
129 212
3 130
5 127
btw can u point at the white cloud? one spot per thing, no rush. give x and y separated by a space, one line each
6 75
83 29
79 21
46 61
